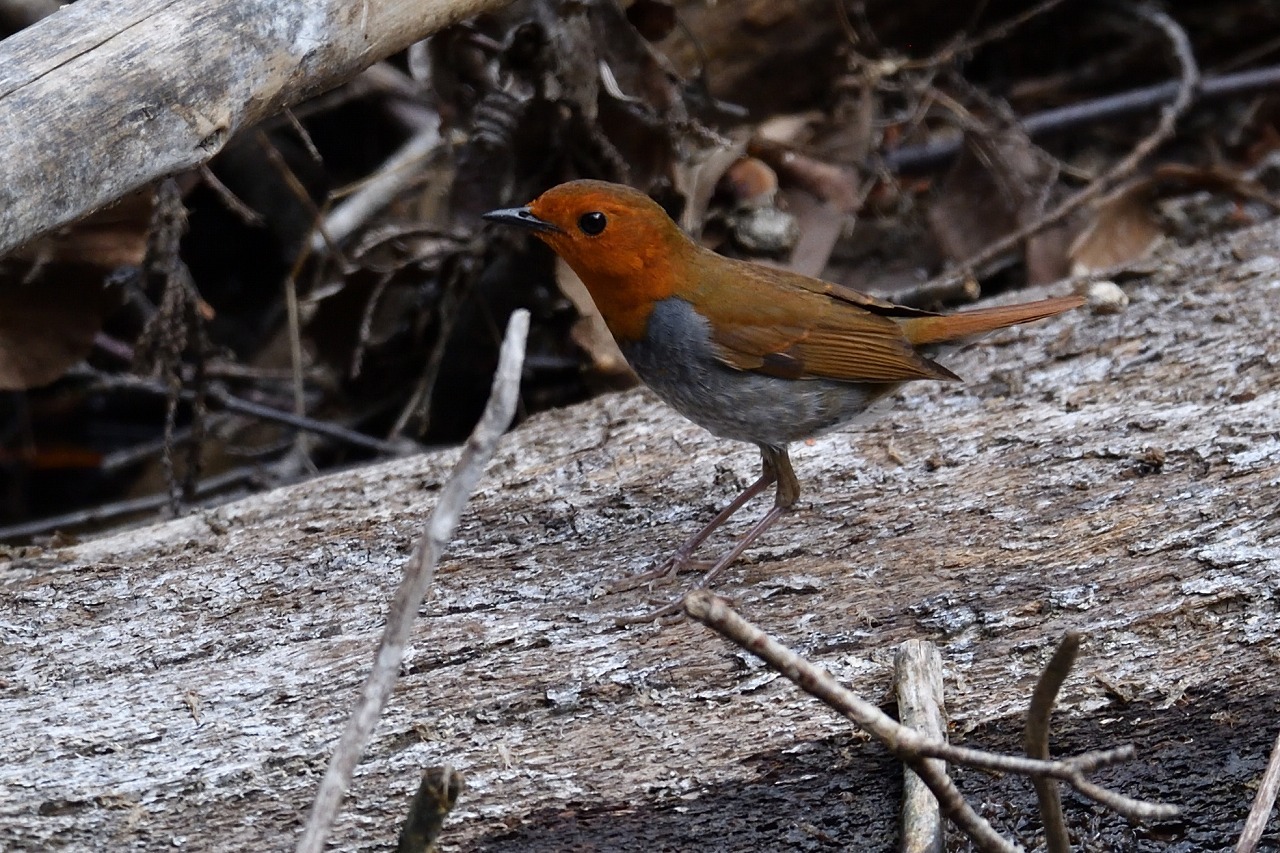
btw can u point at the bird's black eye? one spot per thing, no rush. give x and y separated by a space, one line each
592 223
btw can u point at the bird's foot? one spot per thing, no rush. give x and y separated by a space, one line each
677 563
672 610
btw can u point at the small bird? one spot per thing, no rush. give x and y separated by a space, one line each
749 352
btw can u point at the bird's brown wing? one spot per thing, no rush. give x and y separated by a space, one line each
867 353
782 324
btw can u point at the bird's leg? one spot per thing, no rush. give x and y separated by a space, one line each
775 468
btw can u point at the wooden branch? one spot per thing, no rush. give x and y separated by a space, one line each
1036 740
1263 803
418 574
913 747
105 96
191 674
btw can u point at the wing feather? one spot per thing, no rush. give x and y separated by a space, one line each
779 323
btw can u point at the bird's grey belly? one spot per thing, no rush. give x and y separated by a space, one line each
677 361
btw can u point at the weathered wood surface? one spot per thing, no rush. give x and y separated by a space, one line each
104 96
180 685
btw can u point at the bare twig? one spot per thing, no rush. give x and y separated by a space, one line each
903 742
418 573
294 324
994 33
220 398
113 512
1263 802
1189 81
1036 739
376 191
918 675
911 746
230 200
914 158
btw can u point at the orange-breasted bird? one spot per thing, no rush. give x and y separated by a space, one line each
750 352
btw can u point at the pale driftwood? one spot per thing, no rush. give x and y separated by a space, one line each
1115 475
105 96
918 683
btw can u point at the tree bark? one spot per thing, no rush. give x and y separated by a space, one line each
183 684
104 96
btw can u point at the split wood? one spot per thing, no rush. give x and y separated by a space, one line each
917 673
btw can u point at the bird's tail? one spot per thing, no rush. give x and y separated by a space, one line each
953 327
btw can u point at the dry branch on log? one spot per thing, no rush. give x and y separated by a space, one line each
109 95
916 748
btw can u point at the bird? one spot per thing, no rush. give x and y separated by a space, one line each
751 353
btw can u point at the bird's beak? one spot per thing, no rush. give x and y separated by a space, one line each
521 217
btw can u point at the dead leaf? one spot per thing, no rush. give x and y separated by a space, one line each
820 228
1123 229
115 236
1000 182
47 327
590 332
53 298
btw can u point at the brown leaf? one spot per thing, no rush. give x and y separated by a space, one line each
113 237
590 332
46 328
1122 229
52 293
999 183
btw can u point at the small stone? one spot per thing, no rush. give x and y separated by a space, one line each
1106 297
764 230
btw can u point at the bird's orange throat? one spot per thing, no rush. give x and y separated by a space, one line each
625 283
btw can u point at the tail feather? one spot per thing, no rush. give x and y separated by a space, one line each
953 327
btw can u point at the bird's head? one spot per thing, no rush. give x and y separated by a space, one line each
620 242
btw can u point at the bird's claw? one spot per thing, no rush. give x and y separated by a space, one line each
676 564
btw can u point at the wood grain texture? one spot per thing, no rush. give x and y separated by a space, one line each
104 96
1116 475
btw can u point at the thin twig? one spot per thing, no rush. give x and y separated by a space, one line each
293 312
906 743
1036 740
902 741
376 191
220 398
915 158
994 33
1263 802
1189 81
113 512
418 573
230 200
